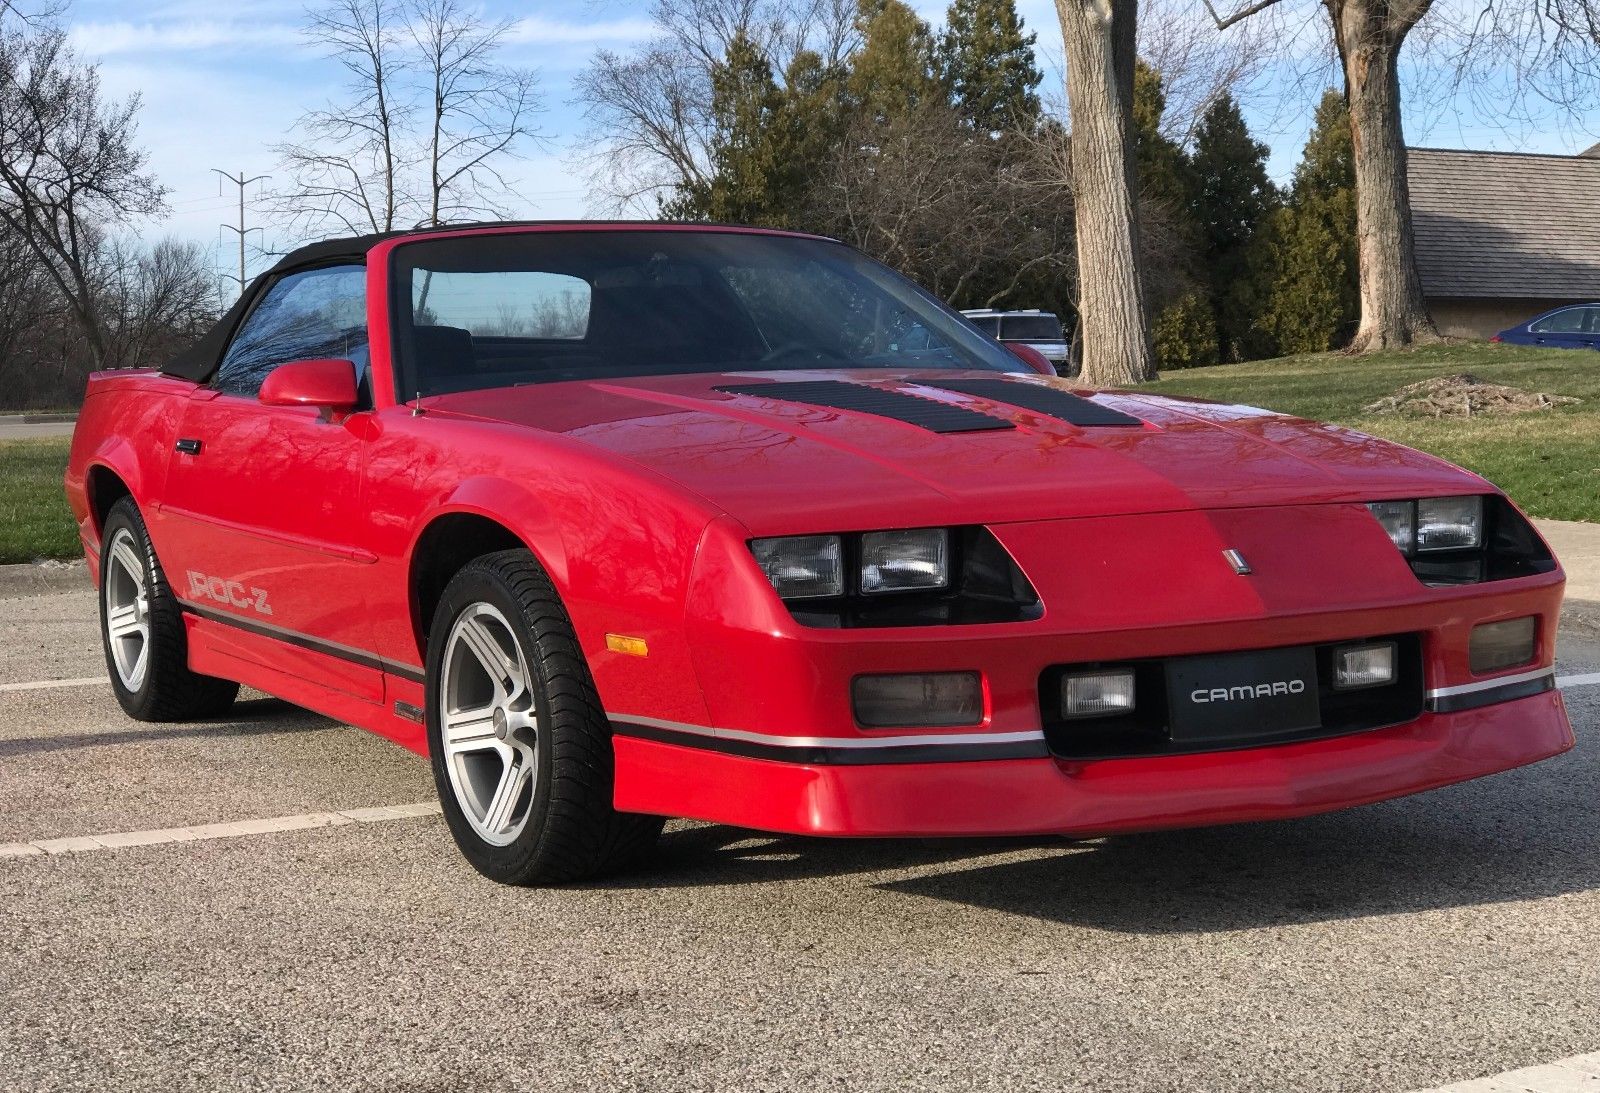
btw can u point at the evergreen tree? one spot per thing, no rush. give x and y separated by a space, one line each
988 66
893 70
1232 199
1315 299
1163 168
765 139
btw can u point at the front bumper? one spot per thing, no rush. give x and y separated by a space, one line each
777 746
1046 795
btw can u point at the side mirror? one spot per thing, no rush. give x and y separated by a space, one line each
1031 357
328 385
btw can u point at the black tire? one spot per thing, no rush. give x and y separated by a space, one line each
571 833
168 690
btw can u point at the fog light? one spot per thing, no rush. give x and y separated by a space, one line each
1497 645
1097 694
924 699
1358 666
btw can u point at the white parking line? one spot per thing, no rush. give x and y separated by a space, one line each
1588 679
1579 1074
118 839
47 684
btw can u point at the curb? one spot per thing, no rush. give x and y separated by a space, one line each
42 578
36 419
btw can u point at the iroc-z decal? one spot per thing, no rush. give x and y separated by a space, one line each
234 593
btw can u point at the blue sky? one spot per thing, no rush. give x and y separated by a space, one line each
223 82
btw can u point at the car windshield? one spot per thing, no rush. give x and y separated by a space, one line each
1031 328
499 310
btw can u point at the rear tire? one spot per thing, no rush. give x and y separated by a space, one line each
519 744
142 629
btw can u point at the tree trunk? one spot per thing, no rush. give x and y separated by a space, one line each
1100 52
1369 34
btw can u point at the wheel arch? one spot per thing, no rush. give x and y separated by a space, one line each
476 520
104 486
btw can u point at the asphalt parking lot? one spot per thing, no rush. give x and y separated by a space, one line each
1395 947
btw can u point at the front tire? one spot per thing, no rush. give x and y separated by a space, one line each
519 744
142 629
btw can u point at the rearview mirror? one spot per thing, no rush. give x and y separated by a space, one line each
326 384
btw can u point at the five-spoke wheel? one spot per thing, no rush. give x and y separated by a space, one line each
521 749
490 725
127 609
141 623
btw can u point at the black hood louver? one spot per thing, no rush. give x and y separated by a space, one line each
925 413
1041 399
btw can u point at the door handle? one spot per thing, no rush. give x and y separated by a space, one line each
188 446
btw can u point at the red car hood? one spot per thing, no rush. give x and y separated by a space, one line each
783 465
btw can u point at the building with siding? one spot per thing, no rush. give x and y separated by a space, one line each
1502 236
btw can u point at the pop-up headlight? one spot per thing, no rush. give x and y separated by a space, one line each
899 561
802 567
903 577
1432 524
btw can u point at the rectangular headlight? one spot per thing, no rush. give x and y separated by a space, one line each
918 700
901 561
1097 694
1368 665
802 567
1497 645
1449 523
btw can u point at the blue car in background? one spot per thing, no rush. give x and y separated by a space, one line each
1576 326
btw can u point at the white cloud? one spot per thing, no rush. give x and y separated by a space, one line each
108 39
536 30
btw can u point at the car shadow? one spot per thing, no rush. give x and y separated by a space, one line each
248 717
1526 834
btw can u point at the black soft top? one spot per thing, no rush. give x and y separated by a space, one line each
199 362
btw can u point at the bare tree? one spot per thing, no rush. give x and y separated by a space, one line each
1099 36
69 165
967 217
155 301
1198 65
348 162
428 120
650 112
477 110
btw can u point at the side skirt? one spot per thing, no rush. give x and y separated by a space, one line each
208 654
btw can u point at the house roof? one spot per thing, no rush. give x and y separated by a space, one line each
1506 224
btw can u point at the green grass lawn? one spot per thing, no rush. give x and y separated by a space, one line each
34 519
1548 461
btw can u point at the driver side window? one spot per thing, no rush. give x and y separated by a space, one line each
317 313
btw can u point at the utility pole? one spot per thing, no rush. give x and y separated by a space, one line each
240 181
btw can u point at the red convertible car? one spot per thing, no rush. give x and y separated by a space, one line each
616 522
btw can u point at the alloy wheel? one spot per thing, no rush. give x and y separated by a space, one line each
127 610
488 717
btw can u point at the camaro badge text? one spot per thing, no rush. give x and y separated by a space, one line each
1235 559
1248 691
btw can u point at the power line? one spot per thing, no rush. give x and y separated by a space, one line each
240 181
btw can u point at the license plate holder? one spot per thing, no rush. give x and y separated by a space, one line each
1225 697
